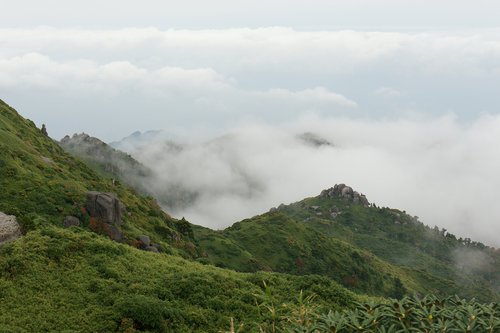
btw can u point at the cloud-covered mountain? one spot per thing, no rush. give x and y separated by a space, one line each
440 170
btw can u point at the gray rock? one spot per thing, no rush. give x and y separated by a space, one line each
71 221
145 240
105 206
9 228
151 249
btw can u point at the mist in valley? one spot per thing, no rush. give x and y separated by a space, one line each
436 168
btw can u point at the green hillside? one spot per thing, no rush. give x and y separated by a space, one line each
378 251
275 242
41 184
72 280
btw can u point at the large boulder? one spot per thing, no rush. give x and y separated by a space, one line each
107 211
9 228
106 207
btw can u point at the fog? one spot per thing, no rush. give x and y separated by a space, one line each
441 170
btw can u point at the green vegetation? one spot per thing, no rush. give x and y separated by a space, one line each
57 279
274 242
41 184
411 314
371 250
294 262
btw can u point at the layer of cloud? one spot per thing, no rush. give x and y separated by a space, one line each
437 169
167 78
246 49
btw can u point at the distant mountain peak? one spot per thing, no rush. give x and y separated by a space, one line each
314 140
345 192
79 137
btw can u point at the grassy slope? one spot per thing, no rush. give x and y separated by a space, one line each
275 242
54 279
368 249
41 184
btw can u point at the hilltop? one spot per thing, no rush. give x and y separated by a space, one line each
373 250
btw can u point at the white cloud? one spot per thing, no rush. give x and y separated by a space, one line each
320 51
387 92
319 95
272 73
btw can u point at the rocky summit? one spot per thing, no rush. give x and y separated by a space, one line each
345 192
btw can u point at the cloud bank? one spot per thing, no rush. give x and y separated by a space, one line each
437 169
218 78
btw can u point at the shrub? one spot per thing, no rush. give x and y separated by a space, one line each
147 313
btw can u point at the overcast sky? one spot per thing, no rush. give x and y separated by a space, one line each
198 69
216 14
215 64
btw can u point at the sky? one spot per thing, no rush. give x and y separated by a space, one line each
198 70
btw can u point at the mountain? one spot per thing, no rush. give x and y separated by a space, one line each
111 162
108 161
138 140
373 250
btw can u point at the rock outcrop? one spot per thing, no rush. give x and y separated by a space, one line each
146 245
345 192
9 228
71 221
107 210
145 240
